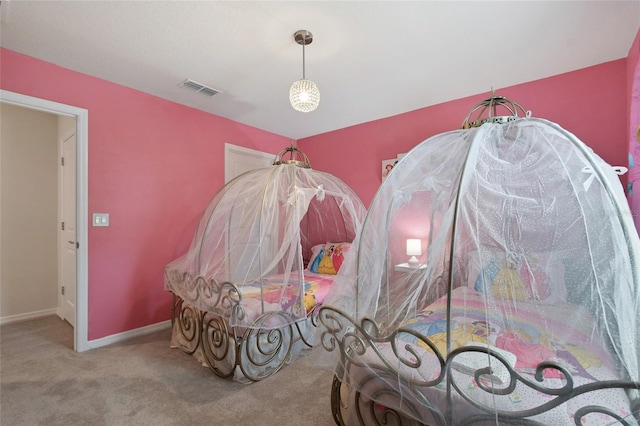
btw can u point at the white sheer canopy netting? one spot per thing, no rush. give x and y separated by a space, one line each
525 202
261 224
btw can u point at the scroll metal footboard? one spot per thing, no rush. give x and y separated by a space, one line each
257 351
189 325
367 410
387 389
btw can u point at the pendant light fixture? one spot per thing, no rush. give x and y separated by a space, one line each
304 94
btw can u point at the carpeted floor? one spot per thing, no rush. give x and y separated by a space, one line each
142 382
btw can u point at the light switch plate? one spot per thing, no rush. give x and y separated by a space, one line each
100 219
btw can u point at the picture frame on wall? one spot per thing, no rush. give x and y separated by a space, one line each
388 165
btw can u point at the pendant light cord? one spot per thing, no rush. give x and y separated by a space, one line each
303 61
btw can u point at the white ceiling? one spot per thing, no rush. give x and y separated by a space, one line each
370 59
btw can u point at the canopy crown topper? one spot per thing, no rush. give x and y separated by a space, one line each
490 107
296 157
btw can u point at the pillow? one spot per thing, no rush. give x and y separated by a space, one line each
534 276
315 251
327 258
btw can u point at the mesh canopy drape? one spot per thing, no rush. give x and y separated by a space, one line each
261 224
516 220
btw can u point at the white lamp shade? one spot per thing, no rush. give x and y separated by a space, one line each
414 247
304 95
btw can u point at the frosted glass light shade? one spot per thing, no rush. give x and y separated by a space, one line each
304 95
414 248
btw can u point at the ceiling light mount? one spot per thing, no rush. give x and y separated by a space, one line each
304 94
303 37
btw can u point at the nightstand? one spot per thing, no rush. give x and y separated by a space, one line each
405 267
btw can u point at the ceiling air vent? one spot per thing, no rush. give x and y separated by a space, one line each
200 88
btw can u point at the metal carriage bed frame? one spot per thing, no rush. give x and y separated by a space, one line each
251 353
385 386
232 328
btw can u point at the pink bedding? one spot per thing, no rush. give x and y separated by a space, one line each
274 291
527 334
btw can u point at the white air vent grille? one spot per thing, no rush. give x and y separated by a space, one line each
200 88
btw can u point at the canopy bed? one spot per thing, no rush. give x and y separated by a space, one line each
524 306
264 255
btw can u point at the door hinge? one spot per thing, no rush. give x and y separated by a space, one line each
63 226
62 161
63 290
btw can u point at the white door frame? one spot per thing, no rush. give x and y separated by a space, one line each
80 341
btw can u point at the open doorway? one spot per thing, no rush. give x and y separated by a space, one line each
78 137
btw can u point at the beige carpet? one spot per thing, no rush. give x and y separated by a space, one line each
142 382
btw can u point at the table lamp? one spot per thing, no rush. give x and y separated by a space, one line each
414 248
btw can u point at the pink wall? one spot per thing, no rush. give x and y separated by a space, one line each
153 165
588 102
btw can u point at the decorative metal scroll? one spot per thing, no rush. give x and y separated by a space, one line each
257 351
266 347
189 324
383 376
224 298
218 345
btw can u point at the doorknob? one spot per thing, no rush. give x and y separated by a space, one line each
71 242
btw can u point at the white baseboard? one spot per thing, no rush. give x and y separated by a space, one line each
91 344
27 316
126 335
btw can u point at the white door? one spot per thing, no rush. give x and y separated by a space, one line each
68 240
238 160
